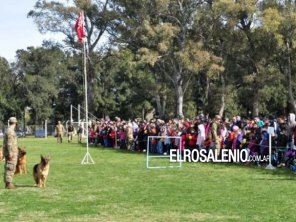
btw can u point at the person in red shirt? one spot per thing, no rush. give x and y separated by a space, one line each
92 135
191 139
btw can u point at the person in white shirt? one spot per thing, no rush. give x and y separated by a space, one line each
201 133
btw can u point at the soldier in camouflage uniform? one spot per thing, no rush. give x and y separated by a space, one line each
59 132
215 131
10 152
70 132
129 136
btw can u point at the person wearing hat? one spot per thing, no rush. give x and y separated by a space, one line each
10 152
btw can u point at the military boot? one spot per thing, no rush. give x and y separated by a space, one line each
10 186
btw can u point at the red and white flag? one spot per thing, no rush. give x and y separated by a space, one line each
79 27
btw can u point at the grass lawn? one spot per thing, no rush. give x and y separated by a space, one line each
118 187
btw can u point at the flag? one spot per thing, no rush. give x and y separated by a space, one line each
79 27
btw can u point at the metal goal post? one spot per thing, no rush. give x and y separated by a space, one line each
155 152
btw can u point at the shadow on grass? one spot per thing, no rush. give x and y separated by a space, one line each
280 173
25 186
123 151
271 179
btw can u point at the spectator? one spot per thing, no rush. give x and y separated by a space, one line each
201 132
282 137
122 136
92 135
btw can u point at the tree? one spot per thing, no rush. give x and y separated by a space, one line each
39 71
8 102
279 23
163 38
57 17
127 90
177 56
247 53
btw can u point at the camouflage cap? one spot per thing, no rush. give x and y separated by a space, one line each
12 120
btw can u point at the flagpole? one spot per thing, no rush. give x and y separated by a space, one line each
87 158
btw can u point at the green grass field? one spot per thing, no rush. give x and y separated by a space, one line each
118 187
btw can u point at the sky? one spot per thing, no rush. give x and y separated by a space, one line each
18 31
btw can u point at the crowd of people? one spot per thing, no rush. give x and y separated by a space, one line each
202 132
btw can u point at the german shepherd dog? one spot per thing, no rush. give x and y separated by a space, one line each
21 166
40 171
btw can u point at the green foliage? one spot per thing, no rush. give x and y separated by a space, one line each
57 17
207 53
190 109
8 101
40 71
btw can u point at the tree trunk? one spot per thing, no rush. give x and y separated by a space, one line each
289 79
158 105
222 108
207 92
178 84
163 106
180 96
143 113
255 105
